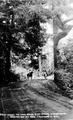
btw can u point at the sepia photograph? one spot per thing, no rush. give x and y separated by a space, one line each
36 59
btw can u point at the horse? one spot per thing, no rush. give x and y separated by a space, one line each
29 75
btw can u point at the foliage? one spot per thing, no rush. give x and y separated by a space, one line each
64 72
63 67
68 53
33 36
17 17
64 80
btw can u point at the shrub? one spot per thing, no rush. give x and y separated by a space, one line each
63 79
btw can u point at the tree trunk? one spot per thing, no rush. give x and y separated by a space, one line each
40 66
7 64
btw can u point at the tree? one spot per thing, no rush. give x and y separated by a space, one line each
25 19
32 15
7 41
59 8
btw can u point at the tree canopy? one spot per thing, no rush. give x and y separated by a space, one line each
23 17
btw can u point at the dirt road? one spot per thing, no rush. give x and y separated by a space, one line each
23 99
